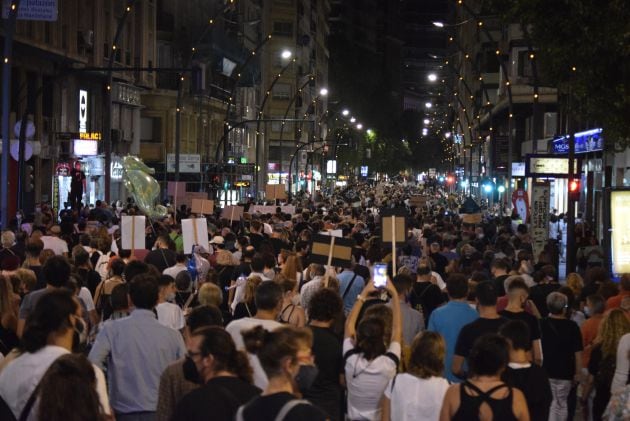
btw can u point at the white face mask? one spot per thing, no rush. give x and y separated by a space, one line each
587 311
170 297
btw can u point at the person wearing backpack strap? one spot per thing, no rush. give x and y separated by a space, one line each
285 356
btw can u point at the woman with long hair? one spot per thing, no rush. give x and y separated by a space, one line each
602 364
290 313
285 356
576 283
67 392
484 396
418 393
247 307
8 317
369 363
292 268
226 375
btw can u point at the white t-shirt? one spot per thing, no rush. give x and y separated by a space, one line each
174 270
86 296
239 292
170 315
367 380
413 398
20 377
235 327
440 282
56 244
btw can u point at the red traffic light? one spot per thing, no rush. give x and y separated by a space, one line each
449 179
574 190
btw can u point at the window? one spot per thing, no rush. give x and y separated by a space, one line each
281 91
283 29
150 130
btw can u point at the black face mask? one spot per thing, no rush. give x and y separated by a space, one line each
190 371
306 377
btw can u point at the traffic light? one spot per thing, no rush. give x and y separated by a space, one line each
29 180
574 190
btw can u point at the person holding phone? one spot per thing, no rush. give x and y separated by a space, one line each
369 365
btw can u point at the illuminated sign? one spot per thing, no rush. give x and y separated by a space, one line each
116 169
364 171
83 110
90 136
544 165
331 166
518 169
620 231
85 147
587 141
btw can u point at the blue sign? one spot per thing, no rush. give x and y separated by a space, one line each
364 171
588 141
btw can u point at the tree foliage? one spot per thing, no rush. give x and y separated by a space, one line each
583 48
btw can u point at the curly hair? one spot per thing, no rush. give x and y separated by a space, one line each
325 305
614 325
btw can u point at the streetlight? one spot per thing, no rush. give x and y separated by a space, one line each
438 24
428 104
286 54
447 135
426 121
353 120
345 112
359 126
323 92
425 131
432 77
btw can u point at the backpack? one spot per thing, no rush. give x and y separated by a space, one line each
102 264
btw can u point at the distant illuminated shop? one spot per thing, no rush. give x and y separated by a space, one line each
589 147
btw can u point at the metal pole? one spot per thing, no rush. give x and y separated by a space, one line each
7 62
571 246
178 122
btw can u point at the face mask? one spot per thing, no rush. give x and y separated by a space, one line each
480 236
190 371
170 297
587 311
306 377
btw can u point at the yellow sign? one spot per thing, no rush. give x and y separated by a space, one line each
90 136
620 236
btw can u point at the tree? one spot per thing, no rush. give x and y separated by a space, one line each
583 49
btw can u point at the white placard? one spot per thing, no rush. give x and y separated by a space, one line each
188 162
540 217
195 233
333 233
288 209
132 232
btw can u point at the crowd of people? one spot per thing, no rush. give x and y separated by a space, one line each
469 325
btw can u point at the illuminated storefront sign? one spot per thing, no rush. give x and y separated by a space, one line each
620 231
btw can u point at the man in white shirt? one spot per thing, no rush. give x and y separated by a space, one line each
268 299
258 266
53 242
169 314
179 266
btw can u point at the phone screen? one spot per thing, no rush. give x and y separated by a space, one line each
380 275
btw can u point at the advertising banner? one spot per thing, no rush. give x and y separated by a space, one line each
540 217
620 231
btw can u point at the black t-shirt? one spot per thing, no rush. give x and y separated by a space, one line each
256 240
499 282
266 408
41 279
473 330
244 310
561 339
325 392
534 384
77 179
217 400
278 244
531 320
538 294
426 297
440 263
161 259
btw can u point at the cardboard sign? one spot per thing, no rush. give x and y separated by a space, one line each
275 191
334 233
393 224
132 232
418 201
195 233
188 198
288 209
202 206
176 189
331 251
233 213
471 218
